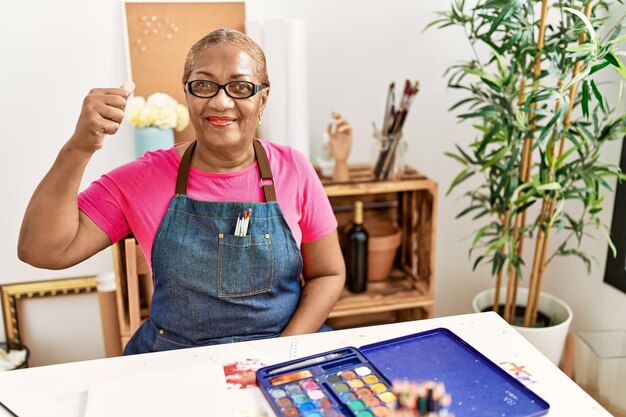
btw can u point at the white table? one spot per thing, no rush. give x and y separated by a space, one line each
61 390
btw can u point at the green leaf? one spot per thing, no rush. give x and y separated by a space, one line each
436 22
592 33
580 76
598 67
467 210
462 176
480 258
558 211
487 138
522 208
505 13
502 67
485 76
495 158
585 47
480 234
481 214
496 262
551 186
615 61
579 254
521 120
536 181
567 153
598 95
456 157
509 167
617 41
467 100
496 245
465 155
585 99
518 270
598 201
548 127
607 235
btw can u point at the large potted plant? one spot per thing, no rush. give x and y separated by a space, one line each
532 93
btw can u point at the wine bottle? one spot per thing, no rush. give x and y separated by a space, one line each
357 252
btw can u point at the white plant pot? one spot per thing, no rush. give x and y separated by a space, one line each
548 340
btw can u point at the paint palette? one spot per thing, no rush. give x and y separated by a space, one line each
340 383
353 382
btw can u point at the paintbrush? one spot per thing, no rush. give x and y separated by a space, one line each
307 362
388 107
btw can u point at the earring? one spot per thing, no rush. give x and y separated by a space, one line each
260 116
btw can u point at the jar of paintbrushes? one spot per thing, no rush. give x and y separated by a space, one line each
389 151
390 146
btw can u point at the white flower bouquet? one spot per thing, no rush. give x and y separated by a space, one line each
160 110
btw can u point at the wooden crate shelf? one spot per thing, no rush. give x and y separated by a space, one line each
398 292
411 203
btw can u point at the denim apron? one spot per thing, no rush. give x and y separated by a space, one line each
212 287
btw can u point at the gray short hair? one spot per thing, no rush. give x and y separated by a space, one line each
229 37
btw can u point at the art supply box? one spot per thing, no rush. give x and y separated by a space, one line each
355 382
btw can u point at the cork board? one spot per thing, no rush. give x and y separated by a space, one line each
159 36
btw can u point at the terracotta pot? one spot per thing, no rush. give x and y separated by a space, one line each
383 242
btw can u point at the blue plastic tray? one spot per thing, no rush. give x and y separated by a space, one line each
478 386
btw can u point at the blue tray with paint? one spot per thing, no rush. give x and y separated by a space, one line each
353 382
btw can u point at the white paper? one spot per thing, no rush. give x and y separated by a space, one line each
190 391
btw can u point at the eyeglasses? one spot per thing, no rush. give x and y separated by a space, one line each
233 89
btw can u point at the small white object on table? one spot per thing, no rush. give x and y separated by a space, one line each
62 390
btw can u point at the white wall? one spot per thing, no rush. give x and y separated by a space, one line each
53 52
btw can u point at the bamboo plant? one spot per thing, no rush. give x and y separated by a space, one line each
533 94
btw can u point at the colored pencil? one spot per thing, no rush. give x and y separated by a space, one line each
427 399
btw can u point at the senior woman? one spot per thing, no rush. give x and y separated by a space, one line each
214 282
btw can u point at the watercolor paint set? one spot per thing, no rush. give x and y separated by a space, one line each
357 382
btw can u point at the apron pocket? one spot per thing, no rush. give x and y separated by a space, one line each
165 341
245 265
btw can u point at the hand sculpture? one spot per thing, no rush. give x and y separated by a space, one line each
340 141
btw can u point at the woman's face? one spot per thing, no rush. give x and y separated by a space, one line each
221 120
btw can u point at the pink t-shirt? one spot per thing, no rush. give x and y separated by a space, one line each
134 197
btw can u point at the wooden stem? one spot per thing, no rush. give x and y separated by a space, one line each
509 304
525 166
537 283
539 250
540 241
514 281
505 230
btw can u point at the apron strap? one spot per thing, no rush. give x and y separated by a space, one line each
265 172
183 169
262 162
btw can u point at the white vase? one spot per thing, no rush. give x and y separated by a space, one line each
152 138
548 340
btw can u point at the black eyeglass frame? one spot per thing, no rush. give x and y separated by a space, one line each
255 88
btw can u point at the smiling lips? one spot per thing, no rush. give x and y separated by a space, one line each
220 121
